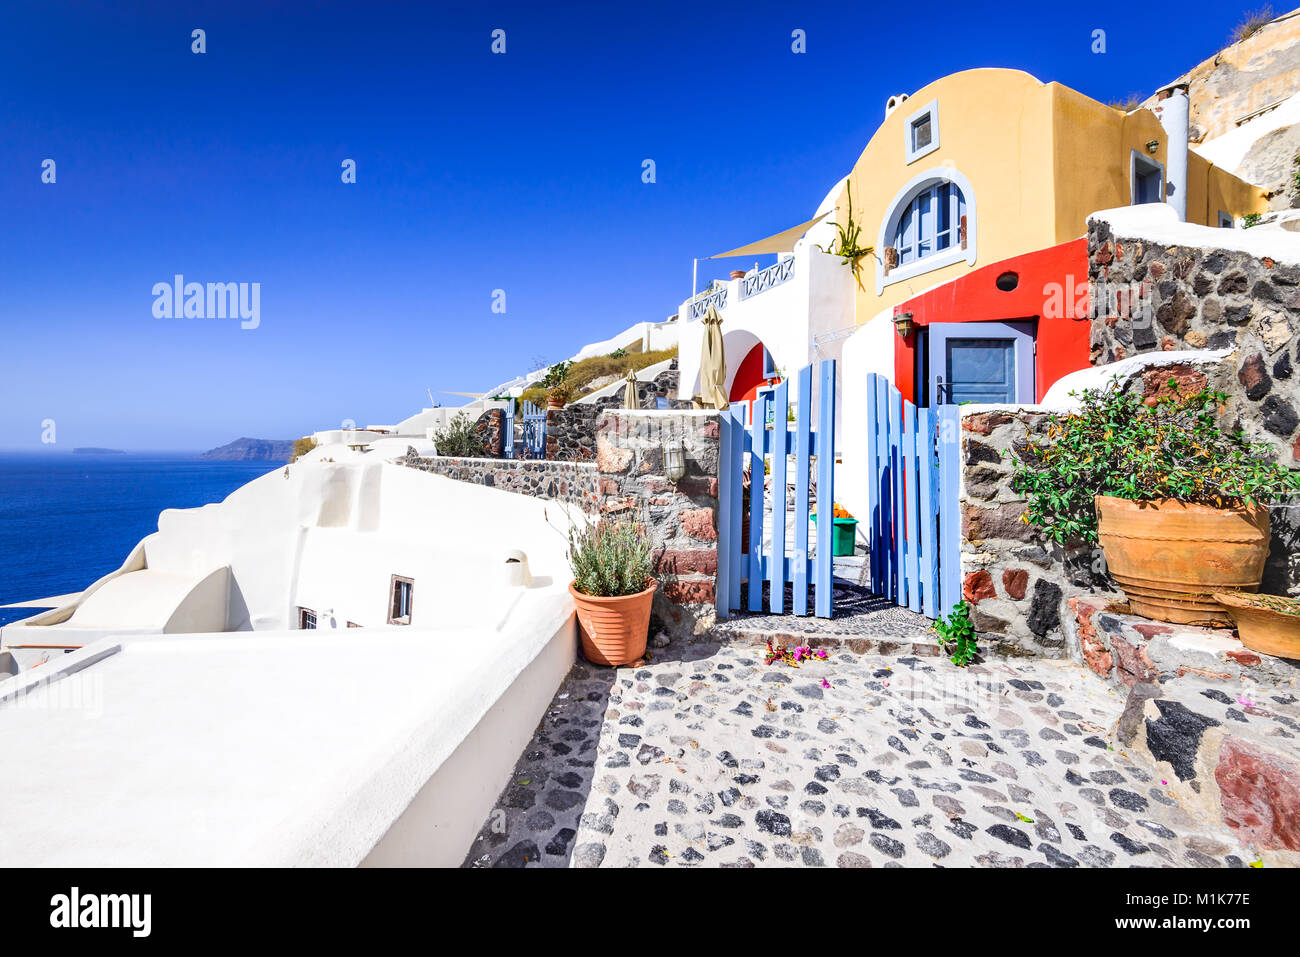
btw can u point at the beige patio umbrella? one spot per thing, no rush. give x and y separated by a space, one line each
713 364
630 400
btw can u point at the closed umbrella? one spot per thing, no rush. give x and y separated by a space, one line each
630 400
713 364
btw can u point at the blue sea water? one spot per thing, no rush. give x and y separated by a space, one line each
66 520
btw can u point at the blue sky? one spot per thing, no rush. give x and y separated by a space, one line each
475 172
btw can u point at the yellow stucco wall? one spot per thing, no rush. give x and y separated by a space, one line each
992 127
1039 158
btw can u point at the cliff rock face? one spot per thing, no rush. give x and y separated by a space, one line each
1246 76
252 450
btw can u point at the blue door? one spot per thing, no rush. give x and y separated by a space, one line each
981 362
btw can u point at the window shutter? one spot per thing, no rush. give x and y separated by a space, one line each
963 232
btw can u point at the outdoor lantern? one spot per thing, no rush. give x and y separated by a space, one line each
674 461
903 324
1153 146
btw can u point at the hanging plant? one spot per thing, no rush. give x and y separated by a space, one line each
846 242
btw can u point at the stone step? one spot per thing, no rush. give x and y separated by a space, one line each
1126 649
1227 755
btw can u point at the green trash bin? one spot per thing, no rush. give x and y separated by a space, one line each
843 536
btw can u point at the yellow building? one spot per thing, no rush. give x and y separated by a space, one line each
988 164
983 168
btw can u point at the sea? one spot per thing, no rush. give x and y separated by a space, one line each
68 519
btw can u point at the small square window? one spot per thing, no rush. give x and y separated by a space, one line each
306 618
921 132
401 592
1225 220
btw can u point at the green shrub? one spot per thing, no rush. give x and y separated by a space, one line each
610 559
457 438
1249 220
1166 447
957 635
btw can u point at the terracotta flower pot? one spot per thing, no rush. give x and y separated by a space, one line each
1171 557
614 630
1262 628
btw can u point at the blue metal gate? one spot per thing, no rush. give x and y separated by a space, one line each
914 530
775 434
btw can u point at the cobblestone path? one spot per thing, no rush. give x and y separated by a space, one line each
706 756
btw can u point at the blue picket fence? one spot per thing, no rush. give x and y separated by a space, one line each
767 438
913 530
534 432
508 427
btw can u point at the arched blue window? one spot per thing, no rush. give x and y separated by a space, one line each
930 223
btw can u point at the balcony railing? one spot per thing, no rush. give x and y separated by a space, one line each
765 279
700 305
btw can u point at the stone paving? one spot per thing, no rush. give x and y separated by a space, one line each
707 756
856 614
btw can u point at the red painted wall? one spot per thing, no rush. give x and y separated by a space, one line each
749 376
1052 291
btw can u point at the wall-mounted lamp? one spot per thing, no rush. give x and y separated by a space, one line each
1153 146
674 461
903 324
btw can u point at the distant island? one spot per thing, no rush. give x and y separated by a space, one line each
91 450
252 450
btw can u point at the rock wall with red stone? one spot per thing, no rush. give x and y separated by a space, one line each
1149 296
1013 577
680 518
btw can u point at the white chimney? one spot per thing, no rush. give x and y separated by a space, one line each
1172 110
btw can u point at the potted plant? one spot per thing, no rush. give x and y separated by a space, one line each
613 588
1177 504
1269 624
556 383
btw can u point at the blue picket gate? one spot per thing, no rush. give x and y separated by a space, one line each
508 427
914 527
534 431
768 438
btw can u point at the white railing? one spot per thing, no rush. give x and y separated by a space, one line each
765 279
700 305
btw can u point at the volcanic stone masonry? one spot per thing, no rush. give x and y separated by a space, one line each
570 483
1208 298
680 518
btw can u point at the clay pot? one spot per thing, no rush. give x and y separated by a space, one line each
737 274
614 630
1171 557
1263 629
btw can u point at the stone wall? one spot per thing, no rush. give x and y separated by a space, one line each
1211 298
489 429
681 518
663 386
571 433
1014 578
570 483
